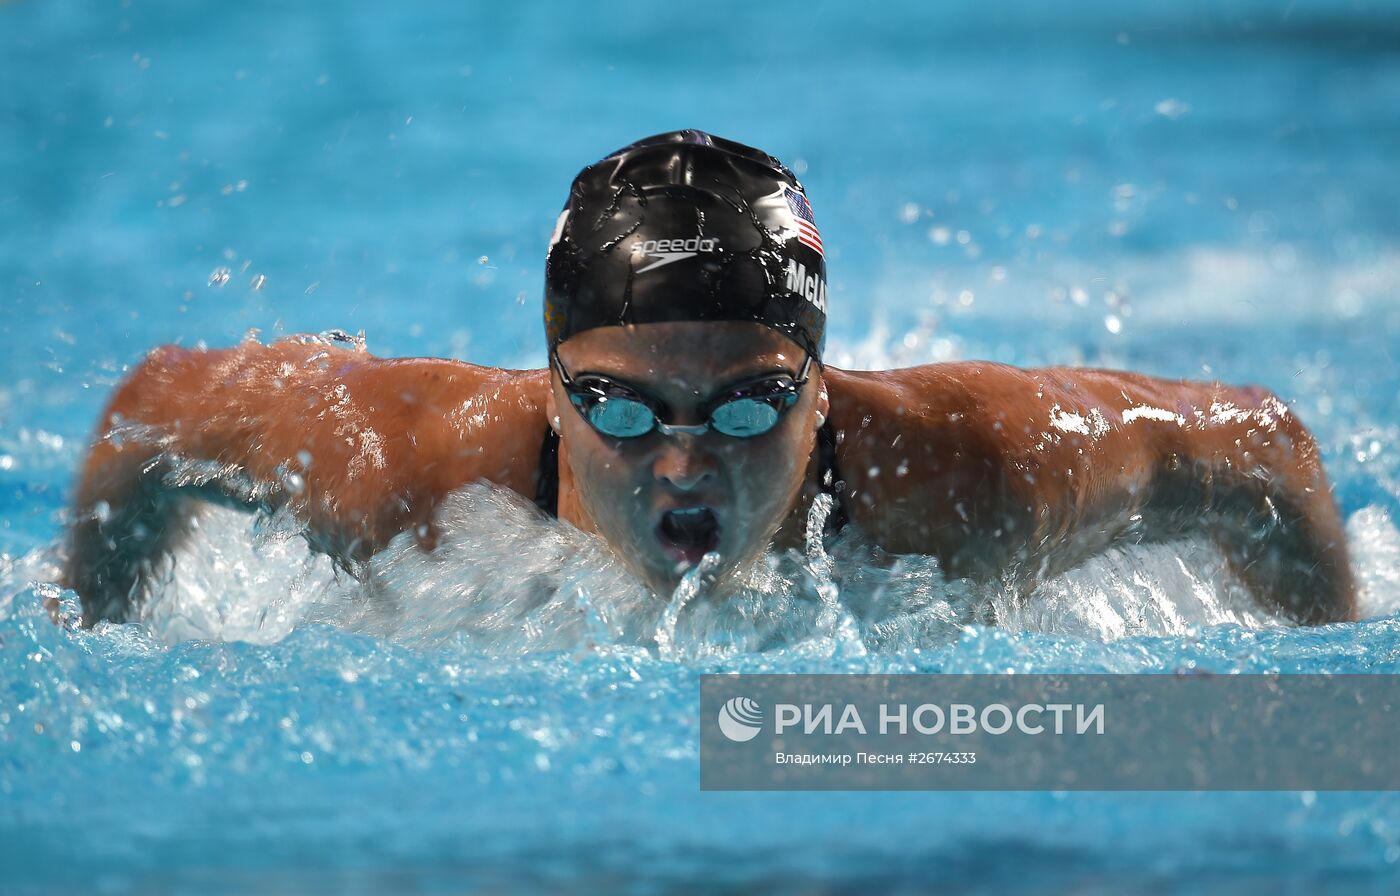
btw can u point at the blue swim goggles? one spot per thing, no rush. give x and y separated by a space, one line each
620 411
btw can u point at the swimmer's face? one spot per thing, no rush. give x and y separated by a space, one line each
663 501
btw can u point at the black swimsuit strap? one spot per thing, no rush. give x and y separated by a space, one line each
547 477
830 478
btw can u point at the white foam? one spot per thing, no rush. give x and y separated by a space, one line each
237 578
1375 557
1169 589
506 580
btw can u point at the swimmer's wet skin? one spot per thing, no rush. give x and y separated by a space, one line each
685 298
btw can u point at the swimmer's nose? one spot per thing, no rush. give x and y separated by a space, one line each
681 469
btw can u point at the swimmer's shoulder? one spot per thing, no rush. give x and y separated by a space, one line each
444 380
437 423
481 405
436 404
968 417
959 388
975 389
950 415
316 362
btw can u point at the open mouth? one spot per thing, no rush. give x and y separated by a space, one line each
689 533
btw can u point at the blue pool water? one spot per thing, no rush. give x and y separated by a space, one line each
1207 190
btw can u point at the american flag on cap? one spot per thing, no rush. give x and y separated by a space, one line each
806 221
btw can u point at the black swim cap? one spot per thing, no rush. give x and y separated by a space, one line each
686 226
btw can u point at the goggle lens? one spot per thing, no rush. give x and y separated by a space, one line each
744 417
621 418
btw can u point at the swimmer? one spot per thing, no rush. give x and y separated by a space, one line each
686 409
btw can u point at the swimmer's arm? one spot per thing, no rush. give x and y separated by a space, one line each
358 448
997 469
1240 467
1233 464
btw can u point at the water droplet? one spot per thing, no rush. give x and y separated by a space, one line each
258 281
219 277
1112 324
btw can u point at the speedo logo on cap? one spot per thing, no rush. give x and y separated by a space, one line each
811 287
667 251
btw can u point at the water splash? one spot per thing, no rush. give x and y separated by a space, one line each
1164 590
334 337
835 618
1375 556
505 580
685 592
599 636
